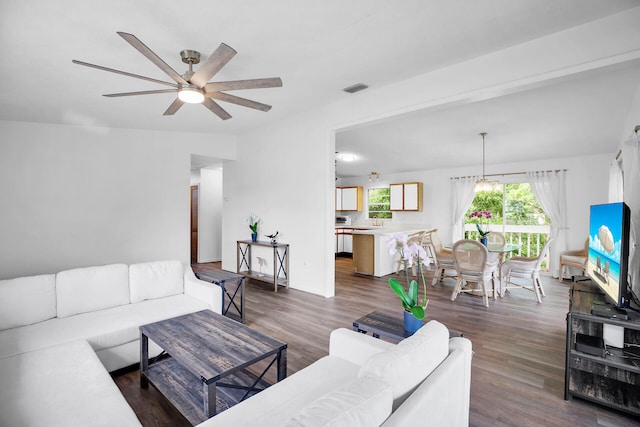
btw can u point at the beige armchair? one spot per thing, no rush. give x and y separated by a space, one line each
576 258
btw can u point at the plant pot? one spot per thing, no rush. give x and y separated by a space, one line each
254 237
411 323
483 240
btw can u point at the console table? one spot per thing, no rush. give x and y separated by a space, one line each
611 378
280 264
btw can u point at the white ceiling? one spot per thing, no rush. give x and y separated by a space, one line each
317 48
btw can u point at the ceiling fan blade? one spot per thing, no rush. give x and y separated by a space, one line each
151 56
216 109
243 84
124 73
145 92
221 96
175 106
212 65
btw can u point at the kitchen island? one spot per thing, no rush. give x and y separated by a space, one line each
371 251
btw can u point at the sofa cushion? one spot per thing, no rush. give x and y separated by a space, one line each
64 385
406 365
283 400
156 279
27 300
106 328
82 290
365 401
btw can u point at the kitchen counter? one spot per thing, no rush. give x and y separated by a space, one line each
371 250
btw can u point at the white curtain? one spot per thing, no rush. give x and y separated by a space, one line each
550 190
462 193
616 181
631 165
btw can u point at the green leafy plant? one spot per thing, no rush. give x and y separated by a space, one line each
411 254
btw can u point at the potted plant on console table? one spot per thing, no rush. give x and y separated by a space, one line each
253 222
412 254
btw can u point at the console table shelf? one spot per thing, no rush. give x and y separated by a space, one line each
280 264
613 379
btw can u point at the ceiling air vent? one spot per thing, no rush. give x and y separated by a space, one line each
355 88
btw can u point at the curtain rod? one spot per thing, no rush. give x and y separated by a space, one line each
509 173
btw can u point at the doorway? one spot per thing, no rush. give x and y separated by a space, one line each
194 224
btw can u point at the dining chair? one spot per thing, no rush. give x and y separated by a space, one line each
496 238
470 259
574 258
442 258
527 268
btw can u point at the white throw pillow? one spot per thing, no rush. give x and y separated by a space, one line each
27 300
362 402
83 290
407 364
151 280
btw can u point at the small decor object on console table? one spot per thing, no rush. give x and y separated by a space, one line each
414 307
483 232
273 238
253 222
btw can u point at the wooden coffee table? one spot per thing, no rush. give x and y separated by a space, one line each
209 353
381 324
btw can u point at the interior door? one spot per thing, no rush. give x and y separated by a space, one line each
194 224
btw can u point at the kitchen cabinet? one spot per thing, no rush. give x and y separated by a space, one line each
344 241
406 196
349 199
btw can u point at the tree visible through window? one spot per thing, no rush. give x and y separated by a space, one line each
516 213
379 203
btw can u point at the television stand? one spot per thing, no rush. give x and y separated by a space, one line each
602 309
609 376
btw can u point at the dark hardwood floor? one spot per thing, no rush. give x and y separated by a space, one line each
518 363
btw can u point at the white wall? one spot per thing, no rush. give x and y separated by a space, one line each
285 171
77 196
210 215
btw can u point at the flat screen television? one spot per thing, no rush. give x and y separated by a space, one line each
608 259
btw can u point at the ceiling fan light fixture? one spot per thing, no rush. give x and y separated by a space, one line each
191 95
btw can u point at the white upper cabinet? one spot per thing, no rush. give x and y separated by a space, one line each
406 196
349 199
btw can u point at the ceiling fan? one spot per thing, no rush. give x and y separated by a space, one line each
194 87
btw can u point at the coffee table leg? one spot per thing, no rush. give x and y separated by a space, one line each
144 360
209 400
282 364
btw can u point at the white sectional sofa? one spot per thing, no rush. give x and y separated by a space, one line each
85 316
424 380
61 334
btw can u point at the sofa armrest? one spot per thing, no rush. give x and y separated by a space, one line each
355 347
210 293
444 396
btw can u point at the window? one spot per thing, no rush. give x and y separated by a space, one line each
379 203
516 213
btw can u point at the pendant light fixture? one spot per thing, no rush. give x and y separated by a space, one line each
483 184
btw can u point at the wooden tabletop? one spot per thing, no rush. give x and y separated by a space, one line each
209 345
